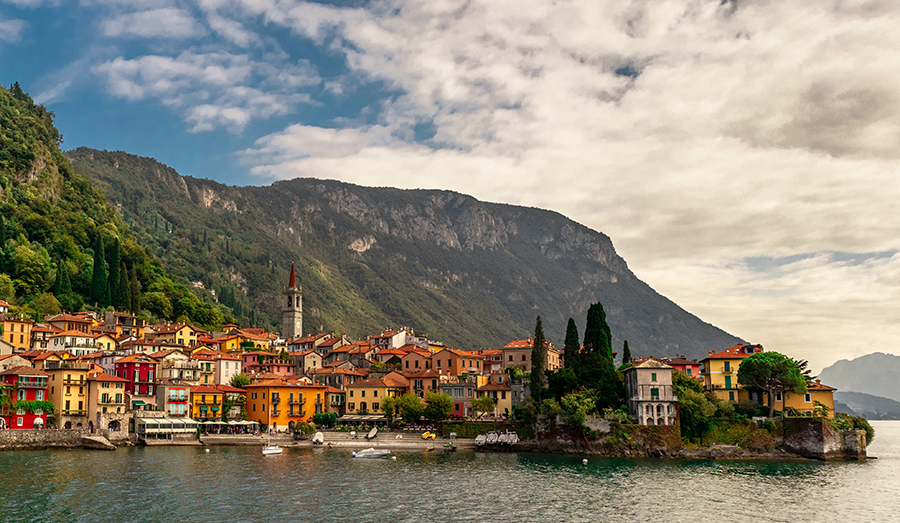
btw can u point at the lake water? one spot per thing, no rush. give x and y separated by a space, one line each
169 484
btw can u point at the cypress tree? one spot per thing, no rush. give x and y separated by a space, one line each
99 285
135 292
573 348
115 273
626 353
2 233
538 361
122 298
598 370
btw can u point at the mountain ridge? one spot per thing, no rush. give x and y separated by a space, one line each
873 374
470 272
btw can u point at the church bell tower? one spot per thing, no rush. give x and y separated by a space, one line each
292 312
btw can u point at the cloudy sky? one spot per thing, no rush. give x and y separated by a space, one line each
743 155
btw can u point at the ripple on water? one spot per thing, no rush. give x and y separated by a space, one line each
161 484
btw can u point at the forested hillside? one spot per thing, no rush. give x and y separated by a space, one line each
470 273
62 246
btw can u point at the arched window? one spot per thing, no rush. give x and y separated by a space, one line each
661 421
290 301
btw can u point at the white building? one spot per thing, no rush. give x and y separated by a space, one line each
648 390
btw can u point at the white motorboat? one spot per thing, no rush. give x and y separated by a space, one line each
372 433
492 438
272 450
318 439
502 439
371 453
512 438
480 440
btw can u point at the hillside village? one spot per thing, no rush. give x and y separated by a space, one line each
112 371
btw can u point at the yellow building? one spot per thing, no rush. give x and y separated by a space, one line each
720 371
281 403
805 402
366 396
17 332
206 403
68 384
174 334
501 393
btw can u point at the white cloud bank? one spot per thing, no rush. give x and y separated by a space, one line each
735 130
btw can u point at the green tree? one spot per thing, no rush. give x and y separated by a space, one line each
771 372
572 348
135 292
389 407
324 419
99 283
115 273
437 406
626 353
598 370
158 304
46 305
7 292
538 361
123 299
484 404
562 382
576 407
31 270
240 380
410 407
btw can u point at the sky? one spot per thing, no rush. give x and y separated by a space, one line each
743 155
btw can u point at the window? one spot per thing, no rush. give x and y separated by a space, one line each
352 406
731 396
254 407
523 357
688 371
21 395
503 394
510 357
375 394
778 396
351 393
21 421
363 394
20 411
417 364
653 376
727 366
727 382
39 396
375 406
253 395
654 393
407 364
807 398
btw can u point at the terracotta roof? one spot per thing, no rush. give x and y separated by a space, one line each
392 352
337 364
311 338
24 371
137 358
340 371
818 385
102 376
680 360
370 382
527 343
45 327
163 353
203 389
334 390
229 388
4 303
463 353
648 363
302 353
386 334
738 351
427 373
72 333
69 317
493 386
329 342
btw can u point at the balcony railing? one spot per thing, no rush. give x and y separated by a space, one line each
178 398
111 401
297 401
32 384
297 414
74 412
207 402
73 381
276 412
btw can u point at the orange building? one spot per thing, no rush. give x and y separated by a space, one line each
281 403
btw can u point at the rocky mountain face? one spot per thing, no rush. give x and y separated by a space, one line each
470 273
866 405
874 374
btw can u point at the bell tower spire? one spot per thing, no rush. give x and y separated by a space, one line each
292 311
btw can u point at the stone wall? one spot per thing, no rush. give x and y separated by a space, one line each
48 438
817 439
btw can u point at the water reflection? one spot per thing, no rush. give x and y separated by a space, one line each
238 484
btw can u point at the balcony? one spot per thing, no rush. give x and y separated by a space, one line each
57 365
144 381
206 402
297 414
276 412
32 384
74 412
111 401
298 401
177 399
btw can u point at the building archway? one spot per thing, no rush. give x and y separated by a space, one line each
68 425
363 407
115 425
79 425
290 426
38 423
661 421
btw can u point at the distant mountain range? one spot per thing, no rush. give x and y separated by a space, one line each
866 405
467 272
876 374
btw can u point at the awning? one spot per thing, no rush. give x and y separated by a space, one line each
204 407
361 417
139 403
215 408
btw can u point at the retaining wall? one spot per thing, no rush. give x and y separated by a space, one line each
51 438
817 439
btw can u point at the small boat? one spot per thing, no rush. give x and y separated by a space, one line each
502 439
318 439
371 453
492 438
372 433
272 450
480 440
512 438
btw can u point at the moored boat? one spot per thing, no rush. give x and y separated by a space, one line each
318 439
272 450
371 453
480 440
492 438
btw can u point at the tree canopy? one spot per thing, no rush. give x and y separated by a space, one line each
437 406
771 372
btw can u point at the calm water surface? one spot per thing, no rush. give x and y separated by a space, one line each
230 484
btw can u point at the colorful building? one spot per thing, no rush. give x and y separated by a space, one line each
25 386
816 392
517 353
206 403
720 371
366 396
281 403
140 371
107 408
17 332
690 368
